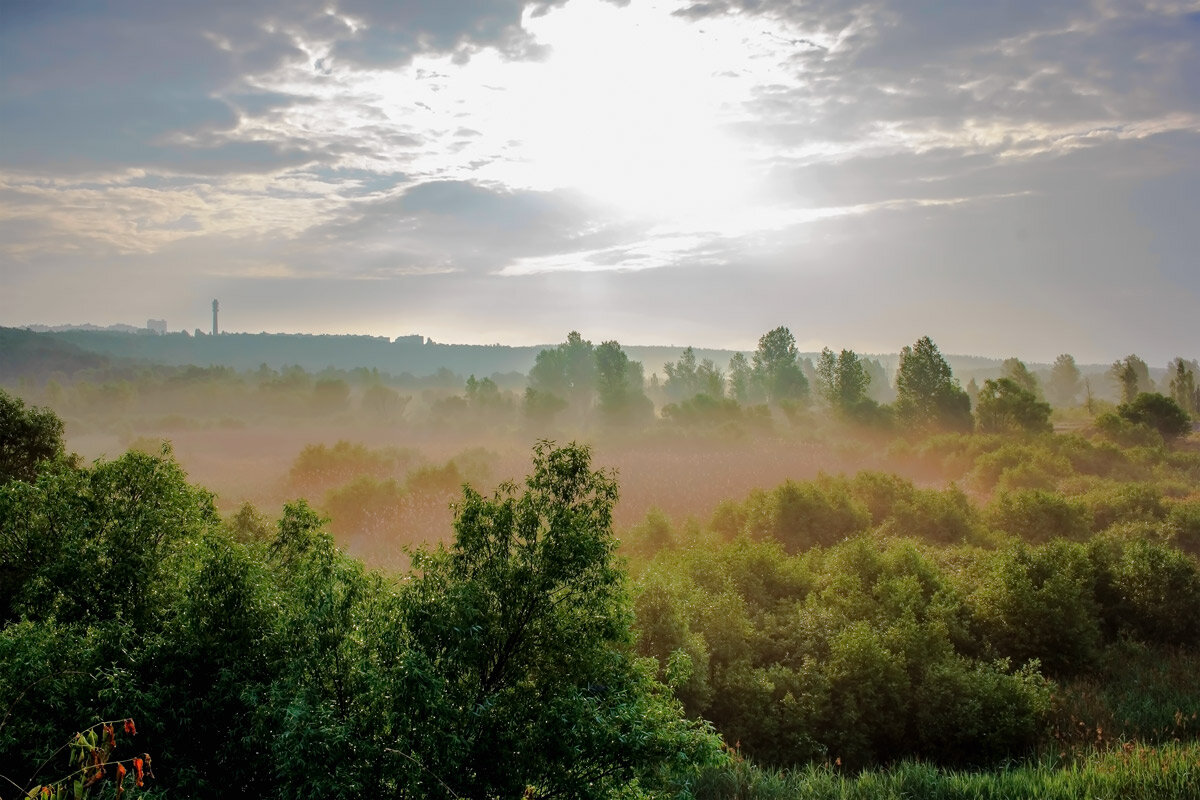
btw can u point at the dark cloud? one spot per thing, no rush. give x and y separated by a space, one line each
442 226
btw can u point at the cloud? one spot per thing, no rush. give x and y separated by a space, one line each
453 226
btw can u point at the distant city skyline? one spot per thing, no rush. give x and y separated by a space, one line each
1012 179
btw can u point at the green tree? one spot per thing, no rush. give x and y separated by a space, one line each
742 386
1132 377
330 395
681 380
1183 385
777 367
568 371
842 381
1158 412
541 406
526 621
709 379
28 436
383 405
1065 381
927 395
620 387
1016 371
1006 407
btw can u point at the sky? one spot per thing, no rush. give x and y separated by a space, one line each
1009 178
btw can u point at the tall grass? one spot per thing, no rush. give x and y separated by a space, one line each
1130 772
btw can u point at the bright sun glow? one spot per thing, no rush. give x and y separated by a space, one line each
646 127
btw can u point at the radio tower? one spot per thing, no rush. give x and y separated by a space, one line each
216 308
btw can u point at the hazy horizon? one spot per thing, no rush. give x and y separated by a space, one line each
1010 180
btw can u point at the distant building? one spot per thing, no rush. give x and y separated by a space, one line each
158 326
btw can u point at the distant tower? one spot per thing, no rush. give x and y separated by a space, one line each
216 308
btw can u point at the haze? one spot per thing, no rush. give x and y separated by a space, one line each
1011 179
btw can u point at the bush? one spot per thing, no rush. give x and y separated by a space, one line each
1038 516
801 515
1159 413
1039 604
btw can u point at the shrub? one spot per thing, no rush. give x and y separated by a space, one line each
801 515
1039 603
1038 516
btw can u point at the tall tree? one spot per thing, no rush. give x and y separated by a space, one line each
568 371
546 696
741 379
777 367
1132 377
1065 381
927 394
682 381
620 386
1016 371
842 380
1183 385
709 379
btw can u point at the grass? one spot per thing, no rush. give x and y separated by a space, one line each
1128 772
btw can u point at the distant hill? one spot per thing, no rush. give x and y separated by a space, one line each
68 349
37 356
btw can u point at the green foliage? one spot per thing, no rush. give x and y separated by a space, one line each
1134 772
1182 385
364 505
1037 516
926 394
651 534
27 438
620 387
843 381
85 545
1065 382
1150 592
721 415
568 371
318 466
801 515
1157 412
383 405
945 517
1039 604
1004 406
742 386
526 621
856 653
542 406
1114 503
777 367
1132 377
1016 371
686 378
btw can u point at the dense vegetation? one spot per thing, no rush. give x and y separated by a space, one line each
1016 616
266 662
